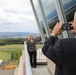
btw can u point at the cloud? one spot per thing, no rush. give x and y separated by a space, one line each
17 15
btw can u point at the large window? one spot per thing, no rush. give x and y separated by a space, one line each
50 13
49 10
69 7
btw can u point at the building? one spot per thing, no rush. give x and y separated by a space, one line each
48 12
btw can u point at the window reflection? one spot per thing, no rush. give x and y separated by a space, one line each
39 15
50 12
69 7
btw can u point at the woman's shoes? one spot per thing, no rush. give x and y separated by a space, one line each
33 66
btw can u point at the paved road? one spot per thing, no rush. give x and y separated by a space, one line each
6 72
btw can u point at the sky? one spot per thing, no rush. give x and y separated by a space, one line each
17 16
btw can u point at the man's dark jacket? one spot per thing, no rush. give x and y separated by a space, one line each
63 53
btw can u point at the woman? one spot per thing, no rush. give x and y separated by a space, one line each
31 47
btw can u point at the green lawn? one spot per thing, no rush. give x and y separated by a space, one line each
12 47
7 49
5 56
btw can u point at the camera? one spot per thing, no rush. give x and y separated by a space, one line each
67 26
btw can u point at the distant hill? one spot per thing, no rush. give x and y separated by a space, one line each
4 35
71 3
65 6
54 12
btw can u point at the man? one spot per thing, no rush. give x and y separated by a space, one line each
62 52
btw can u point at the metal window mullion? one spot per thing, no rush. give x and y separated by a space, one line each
44 19
38 24
61 15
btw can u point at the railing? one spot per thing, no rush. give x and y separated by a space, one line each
21 69
40 57
24 65
27 62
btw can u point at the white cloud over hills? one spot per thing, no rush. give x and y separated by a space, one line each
17 16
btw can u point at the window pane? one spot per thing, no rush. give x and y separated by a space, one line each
50 13
69 7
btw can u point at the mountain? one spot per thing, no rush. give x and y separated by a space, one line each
65 6
71 3
4 35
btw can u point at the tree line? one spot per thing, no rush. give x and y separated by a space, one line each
16 41
12 41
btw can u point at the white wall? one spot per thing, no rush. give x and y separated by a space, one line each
51 66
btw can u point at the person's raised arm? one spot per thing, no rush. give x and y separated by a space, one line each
51 48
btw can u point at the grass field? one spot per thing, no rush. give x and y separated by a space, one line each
12 47
6 50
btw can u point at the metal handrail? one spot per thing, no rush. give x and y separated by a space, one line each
27 62
24 64
40 56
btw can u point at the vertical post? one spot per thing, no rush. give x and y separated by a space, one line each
44 19
10 56
38 24
61 15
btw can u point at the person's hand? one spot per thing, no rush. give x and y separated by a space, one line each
74 23
74 26
57 29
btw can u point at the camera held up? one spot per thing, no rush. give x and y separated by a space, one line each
67 26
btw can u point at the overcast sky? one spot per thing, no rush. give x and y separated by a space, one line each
17 16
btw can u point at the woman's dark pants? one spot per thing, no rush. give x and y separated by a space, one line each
33 60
